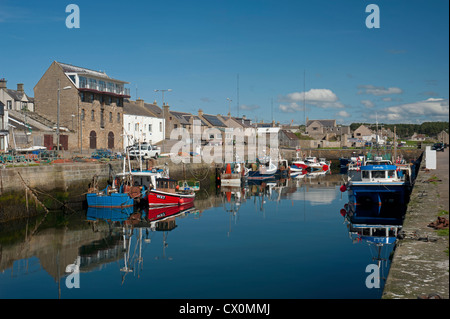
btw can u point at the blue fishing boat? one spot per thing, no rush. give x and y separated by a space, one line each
129 188
379 183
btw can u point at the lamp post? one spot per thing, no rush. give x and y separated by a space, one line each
57 113
164 114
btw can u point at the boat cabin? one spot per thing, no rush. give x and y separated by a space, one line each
166 185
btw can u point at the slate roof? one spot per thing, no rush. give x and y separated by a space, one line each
289 135
181 117
68 68
18 96
324 123
213 120
132 108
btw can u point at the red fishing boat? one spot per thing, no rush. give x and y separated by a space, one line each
167 192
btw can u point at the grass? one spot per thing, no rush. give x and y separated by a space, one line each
442 212
442 232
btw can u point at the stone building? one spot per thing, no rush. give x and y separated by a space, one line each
91 106
15 99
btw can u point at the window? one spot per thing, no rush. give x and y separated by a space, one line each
83 82
9 104
91 97
378 174
101 86
83 97
93 84
92 115
365 174
83 113
160 126
136 127
24 106
129 127
175 126
150 128
110 117
391 174
118 117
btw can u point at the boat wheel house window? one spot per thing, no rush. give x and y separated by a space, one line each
378 174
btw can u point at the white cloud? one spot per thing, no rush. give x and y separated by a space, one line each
367 103
250 107
378 90
343 114
431 109
323 98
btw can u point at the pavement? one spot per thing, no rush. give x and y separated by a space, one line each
420 265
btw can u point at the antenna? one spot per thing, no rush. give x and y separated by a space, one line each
272 107
304 96
238 95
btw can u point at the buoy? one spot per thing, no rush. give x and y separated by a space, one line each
343 188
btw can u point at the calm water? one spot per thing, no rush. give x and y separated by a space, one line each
285 240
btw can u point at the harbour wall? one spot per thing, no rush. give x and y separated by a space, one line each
420 261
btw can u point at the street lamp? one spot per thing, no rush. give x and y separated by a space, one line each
57 113
164 115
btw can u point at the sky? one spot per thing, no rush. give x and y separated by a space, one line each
271 58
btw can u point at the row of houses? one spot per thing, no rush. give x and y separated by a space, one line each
85 109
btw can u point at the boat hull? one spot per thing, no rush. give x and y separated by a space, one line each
114 200
161 198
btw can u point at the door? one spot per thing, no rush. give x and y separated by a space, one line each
64 141
92 140
48 142
110 140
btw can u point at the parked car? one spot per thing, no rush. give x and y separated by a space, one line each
438 147
145 151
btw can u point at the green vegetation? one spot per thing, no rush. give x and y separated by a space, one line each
303 137
442 212
442 232
407 130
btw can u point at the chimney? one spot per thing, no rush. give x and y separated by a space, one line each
3 83
244 117
140 102
200 112
20 87
155 103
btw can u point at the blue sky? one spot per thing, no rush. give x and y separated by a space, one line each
397 73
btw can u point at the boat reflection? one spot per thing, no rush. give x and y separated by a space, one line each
379 231
128 230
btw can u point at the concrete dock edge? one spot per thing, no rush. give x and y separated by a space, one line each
420 265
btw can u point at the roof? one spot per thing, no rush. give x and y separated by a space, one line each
17 95
213 120
155 109
242 121
132 108
325 123
289 135
195 118
181 117
68 68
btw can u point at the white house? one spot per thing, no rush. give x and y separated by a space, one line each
3 127
15 99
142 122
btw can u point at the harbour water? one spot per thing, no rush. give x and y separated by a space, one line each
280 240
